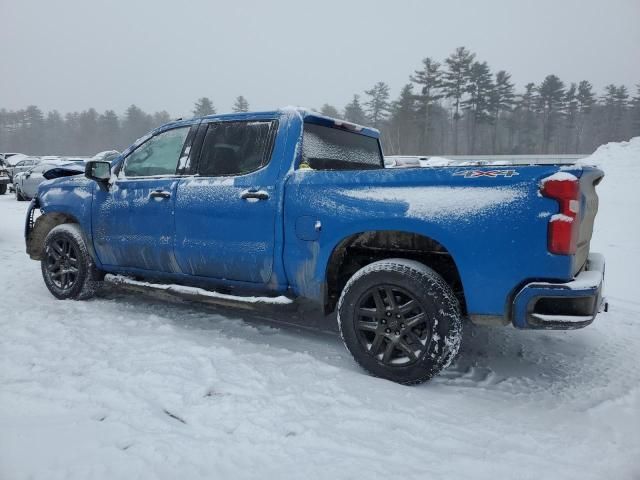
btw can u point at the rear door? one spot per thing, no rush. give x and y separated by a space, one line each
133 219
226 212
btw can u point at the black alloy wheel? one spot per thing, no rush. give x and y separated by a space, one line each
392 325
62 258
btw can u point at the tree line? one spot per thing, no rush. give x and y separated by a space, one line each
88 132
456 106
459 106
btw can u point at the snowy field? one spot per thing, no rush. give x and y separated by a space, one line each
127 387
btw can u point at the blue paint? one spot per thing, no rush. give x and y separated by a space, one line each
205 233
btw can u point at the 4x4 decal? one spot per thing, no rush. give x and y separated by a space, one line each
486 173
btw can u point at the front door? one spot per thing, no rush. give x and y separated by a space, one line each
133 219
226 213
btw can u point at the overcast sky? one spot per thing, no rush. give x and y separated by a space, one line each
71 55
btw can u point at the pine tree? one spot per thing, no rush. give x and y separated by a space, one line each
621 99
160 118
585 99
109 130
550 105
353 111
635 113
33 129
136 123
54 133
241 104
615 103
502 100
456 84
204 106
402 125
329 111
88 132
526 120
378 104
478 102
430 81
570 115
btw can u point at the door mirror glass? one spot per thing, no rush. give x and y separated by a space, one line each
98 170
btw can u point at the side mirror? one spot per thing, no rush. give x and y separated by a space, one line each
98 170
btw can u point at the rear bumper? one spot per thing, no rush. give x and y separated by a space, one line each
562 306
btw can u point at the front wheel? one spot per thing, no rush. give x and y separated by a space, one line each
19 196
400 320
67 268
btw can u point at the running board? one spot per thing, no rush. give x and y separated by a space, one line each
200 295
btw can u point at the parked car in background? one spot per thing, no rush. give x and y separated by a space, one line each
26 183
22 166
4 157
4 179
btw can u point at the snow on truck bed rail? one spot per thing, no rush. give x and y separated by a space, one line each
407 161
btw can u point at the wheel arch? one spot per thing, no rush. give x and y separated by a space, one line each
360 249
41 228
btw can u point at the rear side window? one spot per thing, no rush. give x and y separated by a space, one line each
326 148
158 155
236 148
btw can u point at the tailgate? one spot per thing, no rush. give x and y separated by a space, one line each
590 177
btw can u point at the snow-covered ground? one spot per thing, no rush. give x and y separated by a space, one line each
128 387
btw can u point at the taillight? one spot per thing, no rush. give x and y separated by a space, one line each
564 226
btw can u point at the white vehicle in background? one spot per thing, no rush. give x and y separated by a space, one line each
23 165
5 156
26 183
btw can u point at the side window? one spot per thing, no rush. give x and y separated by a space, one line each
158 155
326 148
236 148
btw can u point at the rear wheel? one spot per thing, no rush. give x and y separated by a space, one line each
3 189
400 320
67 268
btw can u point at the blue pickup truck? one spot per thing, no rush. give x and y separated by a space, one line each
293 203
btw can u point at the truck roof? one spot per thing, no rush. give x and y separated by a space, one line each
306 114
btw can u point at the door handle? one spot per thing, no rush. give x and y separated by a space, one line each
159 194
254 195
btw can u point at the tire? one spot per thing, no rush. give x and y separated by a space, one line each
19 196
3 189
67 267
400 320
